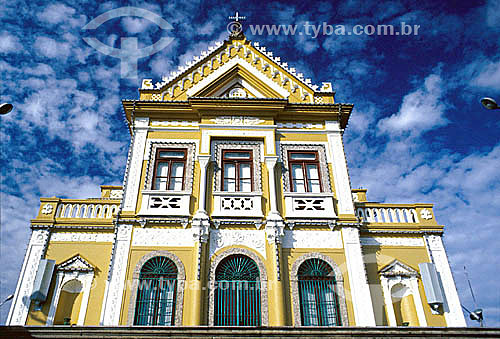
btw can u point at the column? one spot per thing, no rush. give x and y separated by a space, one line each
201 229
113 294
274 233
340 174
21 302
134 164
452 308
360 291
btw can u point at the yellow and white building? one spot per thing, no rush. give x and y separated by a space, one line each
236 209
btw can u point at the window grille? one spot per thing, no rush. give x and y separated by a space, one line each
237 292
318 296
156 293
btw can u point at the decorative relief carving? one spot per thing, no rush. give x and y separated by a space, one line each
254 239
237 203
312 239
237 120
175 123
325 173
426 214
219 145
162 237
116 194
391 241
82 237
47 209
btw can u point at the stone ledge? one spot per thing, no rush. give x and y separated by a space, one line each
142 332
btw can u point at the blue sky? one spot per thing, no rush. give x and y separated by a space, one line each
417 132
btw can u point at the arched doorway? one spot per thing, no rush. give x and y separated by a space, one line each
237 292
319 304
156 294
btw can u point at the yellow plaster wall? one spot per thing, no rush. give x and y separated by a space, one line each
185 254
98 254
376 258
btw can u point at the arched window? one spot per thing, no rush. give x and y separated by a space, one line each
317 292
237 292
156 293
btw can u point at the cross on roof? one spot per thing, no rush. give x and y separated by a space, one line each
237 17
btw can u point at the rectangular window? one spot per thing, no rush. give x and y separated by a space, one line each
169 169
304 171
237 171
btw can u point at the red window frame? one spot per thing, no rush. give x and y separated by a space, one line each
237 163
303 163
170 162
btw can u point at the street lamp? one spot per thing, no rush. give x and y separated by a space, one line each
489 103
5 108
9 297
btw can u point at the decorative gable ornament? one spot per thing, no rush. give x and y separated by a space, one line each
76 263
398 269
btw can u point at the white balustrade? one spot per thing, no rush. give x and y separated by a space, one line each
309 205
388 214
237 204
86 210
169 203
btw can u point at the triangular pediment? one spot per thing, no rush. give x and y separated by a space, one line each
258 72
397 268
75 263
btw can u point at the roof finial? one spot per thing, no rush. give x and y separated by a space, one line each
234 27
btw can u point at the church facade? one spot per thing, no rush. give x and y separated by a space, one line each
236 210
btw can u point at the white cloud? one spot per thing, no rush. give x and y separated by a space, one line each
56 13
488 75
51 48
420 110
9 43
135 25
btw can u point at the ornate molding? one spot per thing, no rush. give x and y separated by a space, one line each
325 173
82 237
150 154
216 259
237 120
339 279
312 239
181 279
392 241
162 237
254 239
254 146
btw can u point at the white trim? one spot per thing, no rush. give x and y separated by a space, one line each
162 237
131 191
64 277
360 291
21 301
452 308
226 67
110 314
340 174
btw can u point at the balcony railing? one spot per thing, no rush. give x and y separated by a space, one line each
237 204
87 210
389 214
165 203
309 205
